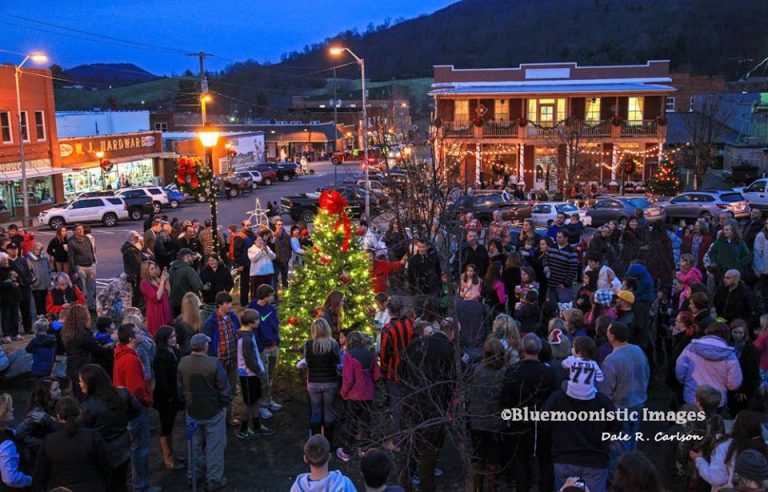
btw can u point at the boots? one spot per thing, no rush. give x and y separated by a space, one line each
315 427
477 479
328 432
493 471
168 460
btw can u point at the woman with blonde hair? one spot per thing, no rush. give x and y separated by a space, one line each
189 322
156 290
12 477
321 354
507 331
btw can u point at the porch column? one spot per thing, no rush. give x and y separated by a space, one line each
478 164
614 164
521 164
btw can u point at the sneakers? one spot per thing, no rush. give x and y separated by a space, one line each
18 338
7 340
246 434
265 431
274 406
343 455
265 413
215 487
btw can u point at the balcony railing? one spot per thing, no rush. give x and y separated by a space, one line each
645 128
500 129
536 131
600 129
457 129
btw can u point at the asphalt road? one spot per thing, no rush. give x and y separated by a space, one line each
110 239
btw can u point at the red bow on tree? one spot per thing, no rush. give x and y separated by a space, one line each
186 173
332 202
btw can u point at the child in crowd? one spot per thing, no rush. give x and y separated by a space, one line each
528 313
250 368
317 453
445 294
103 335
43 349
471 285
359 375
711 429
584 371
584 296
375 467
527 282
528 251
268 333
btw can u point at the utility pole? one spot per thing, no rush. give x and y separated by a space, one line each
335 125
204 96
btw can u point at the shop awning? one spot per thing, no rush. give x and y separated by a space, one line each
301 137
37 168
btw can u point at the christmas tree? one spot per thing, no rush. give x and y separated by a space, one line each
334 262
666 182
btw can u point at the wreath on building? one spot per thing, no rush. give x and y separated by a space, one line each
106 165
192 175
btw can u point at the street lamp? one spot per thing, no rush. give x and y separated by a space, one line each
338 51
36 57
209 137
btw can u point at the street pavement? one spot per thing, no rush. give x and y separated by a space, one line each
234 211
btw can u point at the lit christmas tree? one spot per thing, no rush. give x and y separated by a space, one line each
334 262
666 181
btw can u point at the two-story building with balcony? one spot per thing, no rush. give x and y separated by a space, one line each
536 123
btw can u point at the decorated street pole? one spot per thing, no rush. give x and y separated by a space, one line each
208 137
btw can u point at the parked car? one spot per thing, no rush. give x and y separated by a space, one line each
756 194
285 171
544 213
304 206
254 176
621 208
374 156
695 204
483 202
105 209
138 203
268 175
175 197
156 193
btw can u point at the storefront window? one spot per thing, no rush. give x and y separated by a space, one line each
123 175
40 190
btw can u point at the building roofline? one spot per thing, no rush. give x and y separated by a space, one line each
541 64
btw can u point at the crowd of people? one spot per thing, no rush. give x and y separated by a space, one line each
466 328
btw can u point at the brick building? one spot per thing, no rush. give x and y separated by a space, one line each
531 123
38 135
687 87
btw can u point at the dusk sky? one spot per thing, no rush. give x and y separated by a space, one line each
233 30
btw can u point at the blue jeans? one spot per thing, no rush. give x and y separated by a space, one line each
594 478
619 448
209 441
321 396
138 432
560 294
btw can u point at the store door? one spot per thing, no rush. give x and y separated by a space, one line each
544 172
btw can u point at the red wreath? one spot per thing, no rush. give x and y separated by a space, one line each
231 153
478 121
522 122
616 121
662 120
186 173
332 202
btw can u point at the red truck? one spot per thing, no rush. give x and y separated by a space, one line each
343 156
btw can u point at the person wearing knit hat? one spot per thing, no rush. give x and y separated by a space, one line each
751 471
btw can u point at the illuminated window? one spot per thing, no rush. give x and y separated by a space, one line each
592 110
461 110
546 112
501 110
5 128
635 110
40 125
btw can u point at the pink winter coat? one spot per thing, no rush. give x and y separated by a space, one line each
762 345
357 382
692 276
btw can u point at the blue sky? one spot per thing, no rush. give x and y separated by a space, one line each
233 30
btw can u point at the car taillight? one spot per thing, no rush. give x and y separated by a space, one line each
722 205
125 207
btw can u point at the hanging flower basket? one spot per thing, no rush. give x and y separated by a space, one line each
616 121
522 122
477 121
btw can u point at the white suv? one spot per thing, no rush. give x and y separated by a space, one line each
105 209
156 193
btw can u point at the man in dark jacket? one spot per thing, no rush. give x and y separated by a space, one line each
430 381
183 279
282 246
132 259
239 255
18 264
423 272
733 299
527 385
475 253
203 385
189 241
